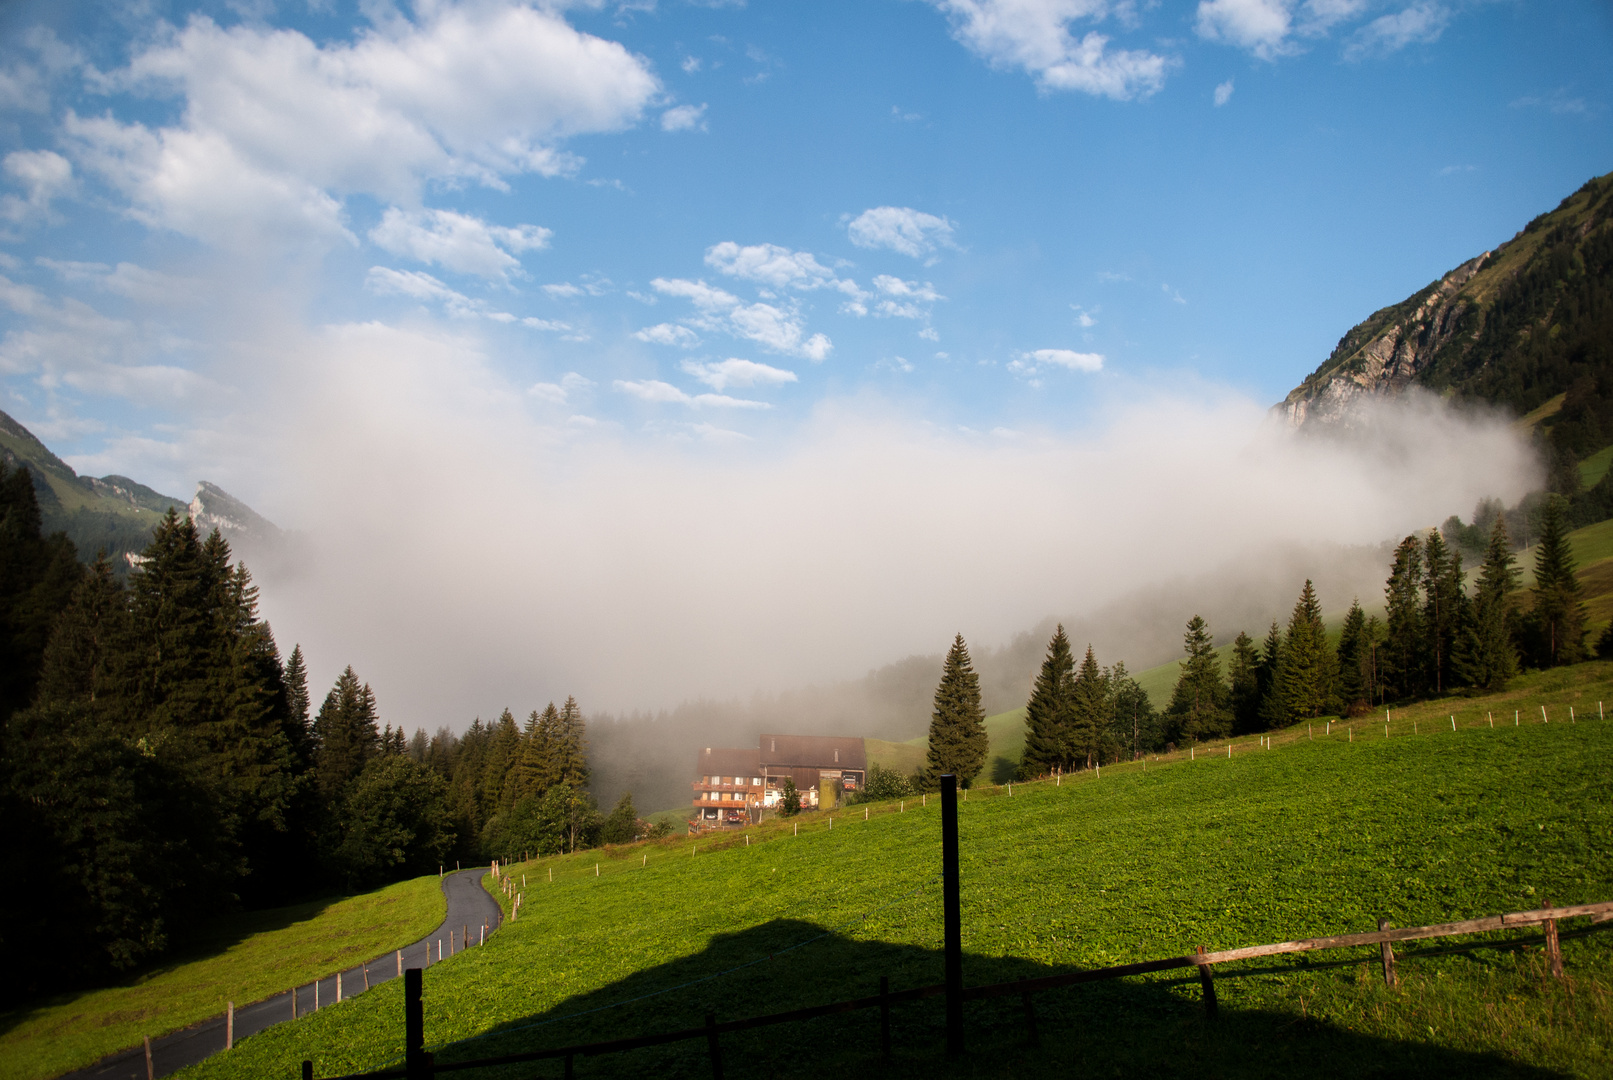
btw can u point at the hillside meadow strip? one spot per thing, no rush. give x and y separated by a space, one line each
244 958
1320 834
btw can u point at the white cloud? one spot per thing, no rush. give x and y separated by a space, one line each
545 324
125 279
1260 26
1176 297
777 328
417 285
721 374
592 285
275 128
1084 317
1223 93
669 334
929 334
655 391
43 174
1030 363
684 118
901 229
560 393
905 299
457 241
1418 24
771 265
690 65
1035 35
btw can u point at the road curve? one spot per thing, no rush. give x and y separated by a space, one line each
469 908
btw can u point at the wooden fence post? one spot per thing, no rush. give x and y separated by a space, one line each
307 1069
366 976
1030 1013
952 913
294 1003
414 1027
151 1072
1389 976
229 1025
400 963
885 1017
712 1047
1554 950
568 1074
1207 981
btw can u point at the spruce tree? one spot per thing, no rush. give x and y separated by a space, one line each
498 773
296 680
1353 645
346 736
571 747
1371 659
1047 713
1558 616
1444 610
1245 676
1270 710
957 724
1489 655
77 661
1305 676
1198 708
38 576
1089 711
1402 667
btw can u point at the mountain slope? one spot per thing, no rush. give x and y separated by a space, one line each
114 513
1519 326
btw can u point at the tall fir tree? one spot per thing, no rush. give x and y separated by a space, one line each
1047 713
1305 676
571 747
1199 704
957 724
1089 711
346 735
38 576
1444 611
1402 667
1489 655
534 768
1245 678
1558 619
1352 685
77 664
498 772
1270 711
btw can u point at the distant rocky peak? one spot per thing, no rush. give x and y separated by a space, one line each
215 508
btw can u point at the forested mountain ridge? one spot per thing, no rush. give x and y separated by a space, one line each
114 513
1527 326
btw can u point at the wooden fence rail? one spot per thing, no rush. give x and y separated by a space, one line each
421 1065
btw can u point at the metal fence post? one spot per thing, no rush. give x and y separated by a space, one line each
951 908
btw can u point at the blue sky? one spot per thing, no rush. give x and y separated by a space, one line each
697 284
1095 195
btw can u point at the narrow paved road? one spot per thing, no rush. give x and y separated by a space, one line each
470 909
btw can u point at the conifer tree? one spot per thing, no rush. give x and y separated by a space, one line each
1489 655
77 661
1089 711
534 768
957 724
503 754
1444 610
1402 668
1270 711
1371 657
1198 708
1559 616
296 680
38 575
1047 713
1305 676
1353 645
346 735
1135 725
1245 676
621 824
571 747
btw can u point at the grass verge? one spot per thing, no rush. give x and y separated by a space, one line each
245 958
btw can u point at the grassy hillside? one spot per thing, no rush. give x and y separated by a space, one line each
243 959
1005 744
1313 836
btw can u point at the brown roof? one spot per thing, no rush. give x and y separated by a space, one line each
812 751
721 762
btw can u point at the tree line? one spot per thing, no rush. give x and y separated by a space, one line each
160 764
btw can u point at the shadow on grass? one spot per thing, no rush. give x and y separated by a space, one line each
207 940
1154 1026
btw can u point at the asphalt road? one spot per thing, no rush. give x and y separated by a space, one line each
469 907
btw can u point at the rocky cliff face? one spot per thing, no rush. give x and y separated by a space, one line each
215 508
1473 332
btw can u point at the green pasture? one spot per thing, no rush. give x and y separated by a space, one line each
1329 829
243 958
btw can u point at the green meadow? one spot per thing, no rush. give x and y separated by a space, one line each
243 959
1323 832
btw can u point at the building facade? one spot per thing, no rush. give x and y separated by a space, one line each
734 787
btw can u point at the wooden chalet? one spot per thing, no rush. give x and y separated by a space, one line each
734 786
